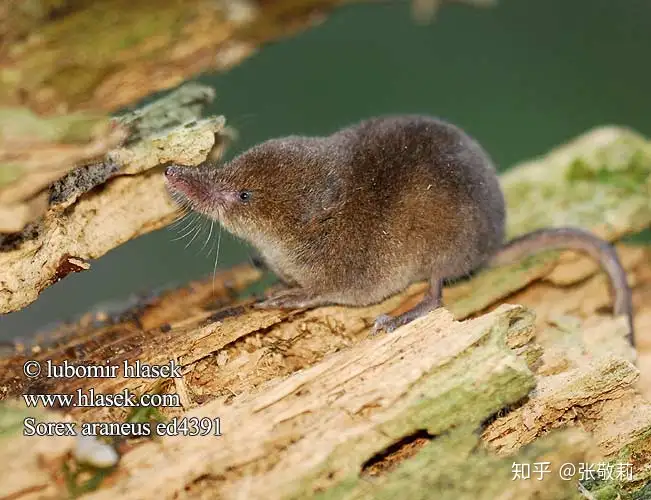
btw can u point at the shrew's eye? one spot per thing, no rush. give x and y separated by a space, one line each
245 196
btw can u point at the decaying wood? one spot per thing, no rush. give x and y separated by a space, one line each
349 398
316 429
35 152
310 404
82 223
63 56
601 180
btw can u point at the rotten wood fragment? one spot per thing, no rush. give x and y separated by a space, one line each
309 405
36 151
82 222
107 55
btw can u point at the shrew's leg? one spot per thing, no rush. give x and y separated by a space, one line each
430 302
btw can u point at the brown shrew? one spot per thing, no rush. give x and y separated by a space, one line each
355 217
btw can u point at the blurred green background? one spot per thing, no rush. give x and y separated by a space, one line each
521 77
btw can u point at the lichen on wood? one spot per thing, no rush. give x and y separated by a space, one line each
326 423
454 466
600 180
345 403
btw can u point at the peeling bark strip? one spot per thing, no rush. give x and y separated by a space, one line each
87 223
36 151
67 265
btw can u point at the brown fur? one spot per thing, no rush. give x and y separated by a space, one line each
354 217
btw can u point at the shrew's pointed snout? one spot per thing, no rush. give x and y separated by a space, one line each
196 187
172 171
178 176
182 179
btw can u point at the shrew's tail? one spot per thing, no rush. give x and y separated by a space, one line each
570 238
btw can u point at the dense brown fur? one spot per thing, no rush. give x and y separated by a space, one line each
354 217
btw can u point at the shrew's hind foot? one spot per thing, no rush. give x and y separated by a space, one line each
386 323
291 298
431 301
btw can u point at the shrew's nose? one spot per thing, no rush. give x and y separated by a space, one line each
172 170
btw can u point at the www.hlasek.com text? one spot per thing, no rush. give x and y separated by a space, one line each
89 398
